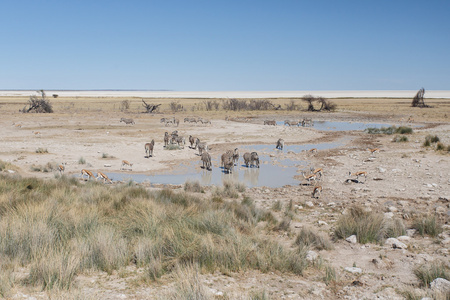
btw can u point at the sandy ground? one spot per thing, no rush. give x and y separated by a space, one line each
404 180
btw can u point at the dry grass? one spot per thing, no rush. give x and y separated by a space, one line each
426 273
308 237
59 228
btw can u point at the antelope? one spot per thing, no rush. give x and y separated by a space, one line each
36 133
61 168
313 150
317 190
280 144
410 119
18 126
149 148
310 177
357 174
127 121
317 171
206 159
374 150
104 177
88 173
126 163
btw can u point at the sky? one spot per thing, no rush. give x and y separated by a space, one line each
191 45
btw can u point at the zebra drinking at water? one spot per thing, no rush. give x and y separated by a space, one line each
206 159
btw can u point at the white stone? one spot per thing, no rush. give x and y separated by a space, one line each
392 209
321 223
351 239
332 204
404 238
107 165
389 215
381 170
311 255
440 284
309 204
11 171
353 270
394 243
411 232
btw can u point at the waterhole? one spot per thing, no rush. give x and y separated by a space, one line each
276 168
342 126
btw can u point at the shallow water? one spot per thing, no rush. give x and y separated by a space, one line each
275 170
342 126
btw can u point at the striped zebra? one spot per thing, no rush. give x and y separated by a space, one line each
166 139
280 144
206 159
291 123
270 122
202 147
127 121
149 148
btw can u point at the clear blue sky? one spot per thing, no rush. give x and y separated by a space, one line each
191 45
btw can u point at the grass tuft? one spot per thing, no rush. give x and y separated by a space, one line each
81 161
428 225
400 139
367 226
426 273
193 187
308 237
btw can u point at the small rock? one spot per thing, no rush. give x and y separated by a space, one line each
351 239
11 171
389 215
353 270
381 170
396 170
107 165
404 238
309 204
445 241
266 191
411 232
298 206
311 255
322 223
396 244
392 209
440 284
331 204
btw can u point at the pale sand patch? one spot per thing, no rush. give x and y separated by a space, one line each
235 94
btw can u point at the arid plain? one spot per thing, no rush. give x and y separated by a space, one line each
406 183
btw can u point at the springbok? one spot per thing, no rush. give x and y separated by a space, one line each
88 173
317 191
357 174
126 163
309 178
104 177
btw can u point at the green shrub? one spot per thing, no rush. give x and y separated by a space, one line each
390 130
81 161
41 150
440 146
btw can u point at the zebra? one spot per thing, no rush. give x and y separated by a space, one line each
307 122
206 159
166 121
166 139
192 141
251 159
149 148
291 123
235 156
127 121
180 140
202 147
228 164
176 121
205 121
270 122
190 120
225 157
280 144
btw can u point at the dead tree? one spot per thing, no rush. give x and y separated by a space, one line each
38 104
150 108
326 104
418 99
309 99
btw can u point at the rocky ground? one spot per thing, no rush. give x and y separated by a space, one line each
405 180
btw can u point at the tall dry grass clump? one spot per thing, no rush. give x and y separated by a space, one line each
308 237
367 226
426 273
59 228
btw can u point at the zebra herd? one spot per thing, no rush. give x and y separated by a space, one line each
305 122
